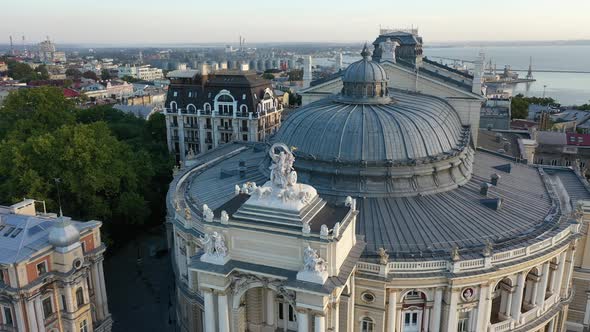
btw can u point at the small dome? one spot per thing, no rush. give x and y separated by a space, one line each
365 70
63 234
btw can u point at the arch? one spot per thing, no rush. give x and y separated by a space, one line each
225 96
207 107
173 106
80 297
244 108
237 296
423 291
366 324
191 108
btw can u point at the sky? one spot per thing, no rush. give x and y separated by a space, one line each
198 21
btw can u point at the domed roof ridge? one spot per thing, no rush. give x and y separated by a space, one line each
63 233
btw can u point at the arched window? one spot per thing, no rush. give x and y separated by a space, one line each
173 106
207 107
243 108
191 108
80 296
367 325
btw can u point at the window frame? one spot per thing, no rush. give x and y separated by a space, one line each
45 267
47 305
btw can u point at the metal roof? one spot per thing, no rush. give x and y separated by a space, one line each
425 225
413 127
17 246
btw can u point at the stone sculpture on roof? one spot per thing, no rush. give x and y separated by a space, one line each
282 173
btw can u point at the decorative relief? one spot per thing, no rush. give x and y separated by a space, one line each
383 256
207 213
314 267
241 282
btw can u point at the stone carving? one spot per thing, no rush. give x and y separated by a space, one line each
215 249
249 188
350 202
487 250
191 154
176 205
312 262
292 194
237 190
324 231
306 229
220 248
242 281
207 244
175 170
207 213
383 256
336 230
455 254
262 192
224 217
187 213
282 173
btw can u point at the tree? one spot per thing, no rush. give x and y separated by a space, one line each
73 73
21 71
268 76
113 166
520 105
295 75
42 72
129 79
105 74
90 75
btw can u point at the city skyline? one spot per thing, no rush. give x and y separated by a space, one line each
304 20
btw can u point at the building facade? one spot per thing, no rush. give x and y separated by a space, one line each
51 272
372 210
144 72
206 111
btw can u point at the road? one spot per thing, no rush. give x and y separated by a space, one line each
140 291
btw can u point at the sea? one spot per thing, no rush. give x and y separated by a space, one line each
570 88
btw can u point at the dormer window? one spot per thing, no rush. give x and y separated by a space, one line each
42 268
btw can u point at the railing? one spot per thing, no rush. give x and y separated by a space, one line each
225 128
501 326
529 316
472 264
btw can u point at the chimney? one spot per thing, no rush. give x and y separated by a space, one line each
494 179
477 74
484 188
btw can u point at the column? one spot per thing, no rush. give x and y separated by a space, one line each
97 293
435 319
391 311
223 310
270 307
39 314
181 147
319 323
69 299
517 297
483 306
335 315
535 283
20 318
31 316
559 274
471 321
169 132
452 321
587 310
568 272
508 308
302 321
425 319
103 289
551 325
542 285
209 311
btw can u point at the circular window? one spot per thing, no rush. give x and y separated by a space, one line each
368 297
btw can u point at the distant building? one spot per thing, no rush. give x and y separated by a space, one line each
46 51
495 113
144 72
51 272
204 110
3 67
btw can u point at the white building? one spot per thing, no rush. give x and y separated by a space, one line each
373 210
144 72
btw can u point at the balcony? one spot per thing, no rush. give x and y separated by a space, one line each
244 129
222 128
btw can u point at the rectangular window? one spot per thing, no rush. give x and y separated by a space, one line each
84 326
47 307
64 304
42 268
8 316
462 326
175 93
83 246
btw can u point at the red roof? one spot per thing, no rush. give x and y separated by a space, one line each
578 139
70 93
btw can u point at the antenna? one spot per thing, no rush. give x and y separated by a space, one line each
57 182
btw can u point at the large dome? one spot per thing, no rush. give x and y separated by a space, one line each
413 128
372 140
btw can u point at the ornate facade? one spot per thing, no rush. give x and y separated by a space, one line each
205 110
51 274
376 213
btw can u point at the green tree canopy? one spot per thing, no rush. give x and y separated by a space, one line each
113 166
90 75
